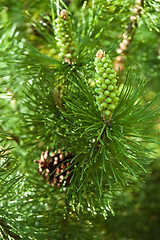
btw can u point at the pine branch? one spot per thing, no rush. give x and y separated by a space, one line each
8 181
58 109
121 157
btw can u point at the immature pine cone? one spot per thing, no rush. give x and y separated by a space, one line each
106 88
65 37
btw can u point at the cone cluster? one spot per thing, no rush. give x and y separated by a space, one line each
106 84
65 37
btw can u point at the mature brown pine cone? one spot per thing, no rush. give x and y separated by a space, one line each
56 167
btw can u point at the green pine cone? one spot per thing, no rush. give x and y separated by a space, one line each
65 38
106 85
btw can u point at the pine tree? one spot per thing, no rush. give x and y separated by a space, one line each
79 120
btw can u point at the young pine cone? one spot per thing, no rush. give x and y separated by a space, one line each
106 85
65 37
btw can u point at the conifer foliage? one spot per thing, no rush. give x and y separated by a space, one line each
67 106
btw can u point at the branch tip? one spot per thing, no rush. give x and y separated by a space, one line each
100 54
64 14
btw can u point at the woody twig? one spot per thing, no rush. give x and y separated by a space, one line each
128 35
